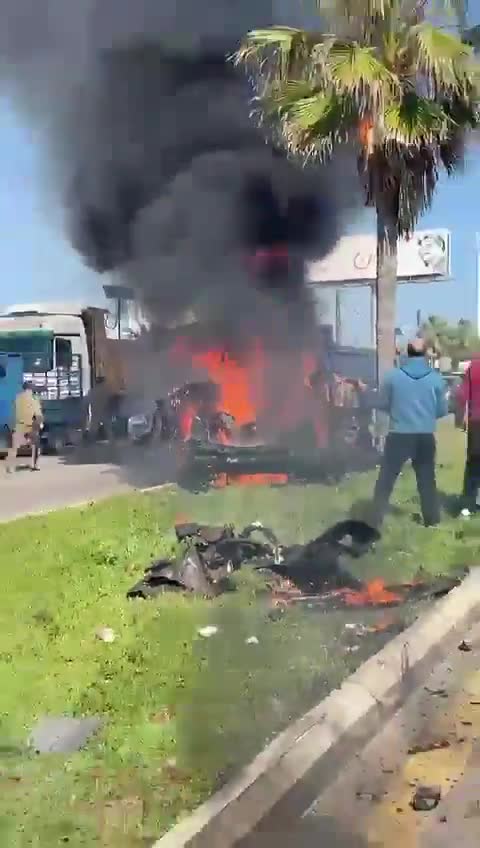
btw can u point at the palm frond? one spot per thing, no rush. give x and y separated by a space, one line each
403 178
442 58
416 120
283 44
259 40
314 125
284 96
357 71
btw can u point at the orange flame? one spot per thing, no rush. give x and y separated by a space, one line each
273 391
375 593
223 480
235 381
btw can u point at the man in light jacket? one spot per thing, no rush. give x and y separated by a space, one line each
27 427
414 397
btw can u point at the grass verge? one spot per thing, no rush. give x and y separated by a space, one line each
180 712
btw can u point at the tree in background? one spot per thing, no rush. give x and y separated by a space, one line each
386 81
457 341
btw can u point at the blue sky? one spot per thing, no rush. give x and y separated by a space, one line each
38 263
36 260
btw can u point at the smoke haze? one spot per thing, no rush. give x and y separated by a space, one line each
163 176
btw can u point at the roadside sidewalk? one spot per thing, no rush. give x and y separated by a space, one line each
433 741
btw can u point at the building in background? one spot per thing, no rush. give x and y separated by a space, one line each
343 283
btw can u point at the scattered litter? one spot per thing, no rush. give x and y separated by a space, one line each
208 631
466 647
465 513
443 820
440 693
358 629
426 798
437 745
106 634
352 649
252 640
62 735
373 797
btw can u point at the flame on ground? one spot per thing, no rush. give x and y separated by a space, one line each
375 594
224 480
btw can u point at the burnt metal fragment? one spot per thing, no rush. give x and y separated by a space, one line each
426 798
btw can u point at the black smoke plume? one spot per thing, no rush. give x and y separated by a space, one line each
164 177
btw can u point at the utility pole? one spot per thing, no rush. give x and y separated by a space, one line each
338 317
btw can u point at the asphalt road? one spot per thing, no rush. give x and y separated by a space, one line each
77 477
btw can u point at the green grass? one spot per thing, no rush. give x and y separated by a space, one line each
181 713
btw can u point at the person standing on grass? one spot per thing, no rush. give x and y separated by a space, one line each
468 400
414 397
27 427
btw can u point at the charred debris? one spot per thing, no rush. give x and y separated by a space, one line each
315 571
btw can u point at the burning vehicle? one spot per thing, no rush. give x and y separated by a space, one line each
257 413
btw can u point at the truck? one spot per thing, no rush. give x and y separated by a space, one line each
63 351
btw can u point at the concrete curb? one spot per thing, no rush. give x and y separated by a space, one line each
291 770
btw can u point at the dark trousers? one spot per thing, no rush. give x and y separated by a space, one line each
471 478
420 449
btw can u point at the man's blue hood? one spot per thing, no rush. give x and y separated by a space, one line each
414 396
416 367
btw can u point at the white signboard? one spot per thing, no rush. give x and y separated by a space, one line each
423 257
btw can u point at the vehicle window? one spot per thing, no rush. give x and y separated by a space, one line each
63 353
36 348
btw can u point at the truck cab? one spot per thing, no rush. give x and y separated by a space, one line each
66 357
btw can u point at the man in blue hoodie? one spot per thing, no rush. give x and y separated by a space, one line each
414 397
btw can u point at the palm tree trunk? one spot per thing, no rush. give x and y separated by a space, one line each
386 289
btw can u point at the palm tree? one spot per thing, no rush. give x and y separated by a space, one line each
387 82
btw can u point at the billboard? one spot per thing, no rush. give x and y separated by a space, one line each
424 257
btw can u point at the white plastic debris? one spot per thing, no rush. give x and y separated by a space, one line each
62 734
357 629
106 634
252 640
206 632
465 513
